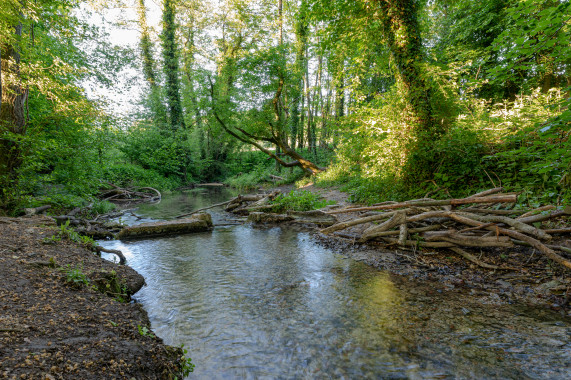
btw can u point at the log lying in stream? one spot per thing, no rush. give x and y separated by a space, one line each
427 223
197 223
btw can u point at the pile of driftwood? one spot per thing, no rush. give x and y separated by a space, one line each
477 221
259 209
127 195
243 204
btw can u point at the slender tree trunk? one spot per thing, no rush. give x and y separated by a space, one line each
149 64
339 101
188 70
307 91
13 113
316 101
302 32
279 116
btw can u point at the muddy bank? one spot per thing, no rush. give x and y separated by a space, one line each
65 312
534 280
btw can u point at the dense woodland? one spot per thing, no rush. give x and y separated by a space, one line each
387 99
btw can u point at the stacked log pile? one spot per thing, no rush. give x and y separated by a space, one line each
478 221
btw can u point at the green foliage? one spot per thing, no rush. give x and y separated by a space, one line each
171 154
187 365
261 173
535 156
523 146
535 44
170 57
299 200
129 175
75 276
342 76
144 331
109 283
102 207
66 136
67 233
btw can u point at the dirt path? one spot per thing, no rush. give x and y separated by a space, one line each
55 324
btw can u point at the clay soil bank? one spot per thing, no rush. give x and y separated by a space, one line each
55 324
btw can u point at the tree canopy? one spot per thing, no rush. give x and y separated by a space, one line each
390 98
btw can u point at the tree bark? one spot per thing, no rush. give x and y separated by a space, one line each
13 115
171 67
402 33
149 64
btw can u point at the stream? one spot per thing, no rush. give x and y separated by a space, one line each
267 303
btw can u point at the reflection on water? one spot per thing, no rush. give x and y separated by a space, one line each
251 303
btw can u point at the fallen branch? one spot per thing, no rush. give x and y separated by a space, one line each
517 224
354 222
203 209
488 192
371 232
537 211
492 212
410 231
519 236
554 247
36 210
122 259
558 230
504 198
467 240
152 189
473 259
542 217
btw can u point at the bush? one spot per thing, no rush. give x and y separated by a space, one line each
535 155
128 175
261 174
299 200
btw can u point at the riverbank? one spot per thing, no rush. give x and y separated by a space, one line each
56 321
534 280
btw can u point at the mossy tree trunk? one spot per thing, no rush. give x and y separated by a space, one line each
171 66
149 64
402 33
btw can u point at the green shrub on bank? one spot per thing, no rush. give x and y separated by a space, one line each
128 175
523 146
299 200
262 175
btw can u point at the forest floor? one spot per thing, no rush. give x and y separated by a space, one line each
56 324
534 280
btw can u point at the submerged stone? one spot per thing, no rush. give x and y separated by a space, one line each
196 223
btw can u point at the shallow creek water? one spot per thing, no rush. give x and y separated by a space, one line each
271 303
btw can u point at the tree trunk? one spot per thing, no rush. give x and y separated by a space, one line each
171 67
149 64
402 33
13 113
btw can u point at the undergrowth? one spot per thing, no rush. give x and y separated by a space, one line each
523 146
299 200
